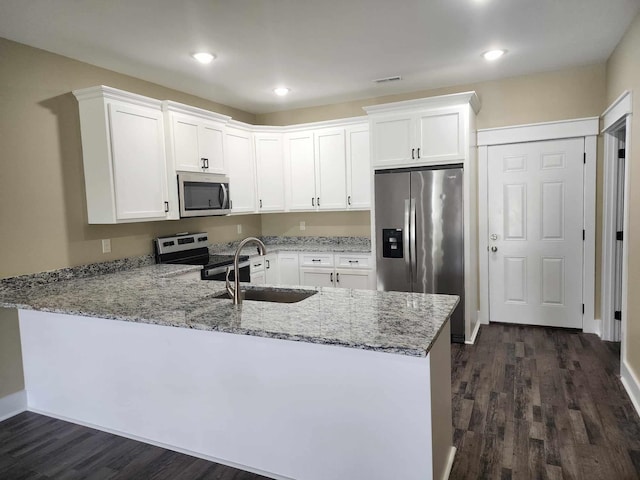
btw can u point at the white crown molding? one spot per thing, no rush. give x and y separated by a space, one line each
171 106
104 92
428 102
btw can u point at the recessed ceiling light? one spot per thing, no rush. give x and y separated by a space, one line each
203 57
493 54
281 91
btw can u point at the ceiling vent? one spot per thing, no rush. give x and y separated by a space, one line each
388 79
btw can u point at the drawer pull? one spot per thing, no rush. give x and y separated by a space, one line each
316 260
353 261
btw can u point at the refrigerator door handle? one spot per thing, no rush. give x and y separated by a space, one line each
406 238
412 240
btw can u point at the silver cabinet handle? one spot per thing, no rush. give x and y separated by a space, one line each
494 249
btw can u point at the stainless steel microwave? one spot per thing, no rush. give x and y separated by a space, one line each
203 194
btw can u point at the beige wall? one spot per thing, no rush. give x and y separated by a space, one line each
322 224
43 219
623 73
571 93
11 373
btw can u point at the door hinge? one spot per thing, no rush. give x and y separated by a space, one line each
584 158
619 236
584 235
621 153
583 308
617 315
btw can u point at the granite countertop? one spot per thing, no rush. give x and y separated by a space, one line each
394 322
302 244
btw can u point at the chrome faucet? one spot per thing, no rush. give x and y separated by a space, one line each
235 291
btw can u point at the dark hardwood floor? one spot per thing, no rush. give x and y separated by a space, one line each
541 403
528 403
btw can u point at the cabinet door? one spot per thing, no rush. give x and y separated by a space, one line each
185 143
331 170
139 163
288 266
271 269
242 175
358 168
270 168
393 139
211 143
316 277
440 136
258 277
361 279
301 171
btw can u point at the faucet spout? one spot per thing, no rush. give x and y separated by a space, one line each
235 292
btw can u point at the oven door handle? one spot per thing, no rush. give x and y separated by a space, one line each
223 268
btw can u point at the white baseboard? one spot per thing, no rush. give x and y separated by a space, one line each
450 458
13 404
472 340
161 445
631 384
592 326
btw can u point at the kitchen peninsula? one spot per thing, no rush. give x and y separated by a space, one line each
344 384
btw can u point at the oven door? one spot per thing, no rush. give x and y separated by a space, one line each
203 194
220 273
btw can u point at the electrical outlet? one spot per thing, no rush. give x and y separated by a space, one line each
239 228
303 225
106 245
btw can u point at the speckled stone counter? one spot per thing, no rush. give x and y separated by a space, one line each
402 323
302 244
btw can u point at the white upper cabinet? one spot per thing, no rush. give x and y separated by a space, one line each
421 132
326 168
300 165
270 172
242 172
331 171
123 148
358 167
195 138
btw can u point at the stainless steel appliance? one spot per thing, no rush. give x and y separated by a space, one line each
203 194
193 249
419 234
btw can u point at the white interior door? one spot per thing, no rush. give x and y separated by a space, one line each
535 232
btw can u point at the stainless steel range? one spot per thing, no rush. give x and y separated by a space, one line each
193 249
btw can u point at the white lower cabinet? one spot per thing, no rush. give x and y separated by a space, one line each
289 272
271 270
256 269
337 270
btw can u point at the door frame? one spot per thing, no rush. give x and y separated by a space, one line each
586 128
616 117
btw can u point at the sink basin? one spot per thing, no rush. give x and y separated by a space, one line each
276 295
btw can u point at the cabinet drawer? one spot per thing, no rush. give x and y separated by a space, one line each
257 263
353 261
316 260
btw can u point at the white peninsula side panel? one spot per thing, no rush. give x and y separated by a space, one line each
289 410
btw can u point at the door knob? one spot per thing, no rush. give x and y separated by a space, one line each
494 236
494 249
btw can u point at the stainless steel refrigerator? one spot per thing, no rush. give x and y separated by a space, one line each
419 234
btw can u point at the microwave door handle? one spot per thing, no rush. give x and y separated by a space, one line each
225 196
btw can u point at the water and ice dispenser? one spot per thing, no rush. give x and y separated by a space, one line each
392 246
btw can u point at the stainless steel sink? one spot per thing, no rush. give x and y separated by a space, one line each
276 295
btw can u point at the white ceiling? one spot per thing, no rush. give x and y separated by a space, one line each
326 51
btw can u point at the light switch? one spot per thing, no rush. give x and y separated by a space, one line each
106 245
239 228
303 225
